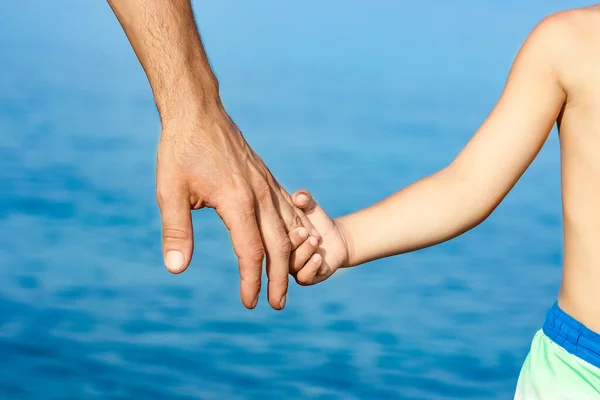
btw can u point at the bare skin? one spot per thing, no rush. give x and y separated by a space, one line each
554 79
203 159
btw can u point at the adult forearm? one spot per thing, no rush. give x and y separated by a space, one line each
167 43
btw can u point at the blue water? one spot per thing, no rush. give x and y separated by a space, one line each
351 99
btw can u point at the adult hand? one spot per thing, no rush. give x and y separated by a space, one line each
207 163
203 160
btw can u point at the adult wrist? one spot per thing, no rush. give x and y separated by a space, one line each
191 101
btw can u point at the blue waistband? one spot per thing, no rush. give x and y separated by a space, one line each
572 335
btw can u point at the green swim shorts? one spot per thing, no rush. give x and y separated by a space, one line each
563 362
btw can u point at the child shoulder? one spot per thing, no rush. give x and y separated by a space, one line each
569 25
566 38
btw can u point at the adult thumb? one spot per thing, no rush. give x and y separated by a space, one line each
177 234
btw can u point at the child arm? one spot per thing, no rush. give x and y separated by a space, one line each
462 195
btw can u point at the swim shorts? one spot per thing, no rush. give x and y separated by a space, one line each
563 362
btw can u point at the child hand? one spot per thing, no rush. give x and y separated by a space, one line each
307 266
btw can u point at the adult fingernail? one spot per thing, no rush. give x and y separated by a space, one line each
255 302
313 240
302 198
303 233
174 260
282 302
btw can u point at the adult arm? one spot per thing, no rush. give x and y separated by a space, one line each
203 160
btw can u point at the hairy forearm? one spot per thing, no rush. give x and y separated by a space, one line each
430 211
165 38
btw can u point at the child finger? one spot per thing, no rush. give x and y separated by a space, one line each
302 254
306 276
298 236
304 200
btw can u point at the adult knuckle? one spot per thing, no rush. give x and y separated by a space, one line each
256 253
295 220
282 280
283 245
175 233
243 198
162 194
251 279
262 189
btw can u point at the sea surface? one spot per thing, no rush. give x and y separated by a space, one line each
350 99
